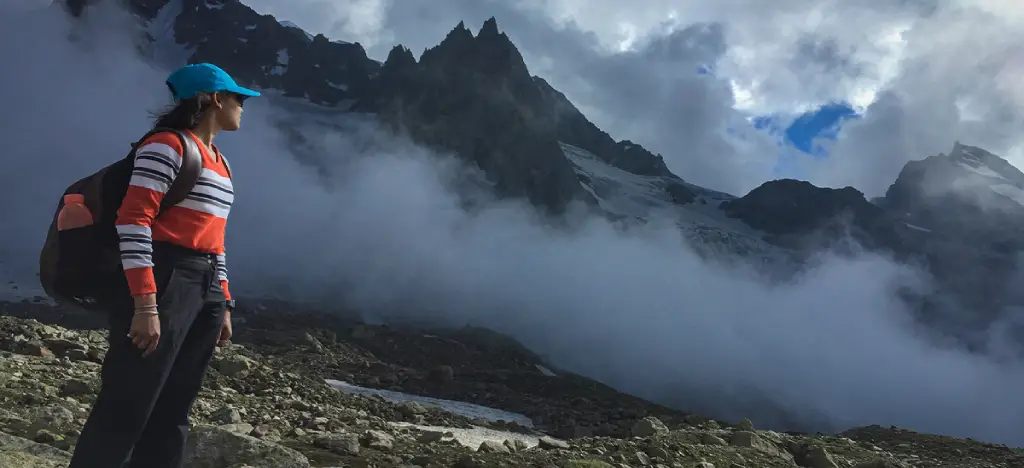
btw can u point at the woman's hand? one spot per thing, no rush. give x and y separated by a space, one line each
225 329
145 330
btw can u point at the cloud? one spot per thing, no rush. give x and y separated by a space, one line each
927 72
358 218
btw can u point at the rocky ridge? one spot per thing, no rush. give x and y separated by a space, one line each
471 95
265 404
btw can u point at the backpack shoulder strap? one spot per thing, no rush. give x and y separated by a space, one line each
188 174
220 155
226 165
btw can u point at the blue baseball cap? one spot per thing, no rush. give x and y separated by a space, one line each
190 80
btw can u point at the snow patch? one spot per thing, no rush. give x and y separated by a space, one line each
472 438
639 198
544 370
981 170
289 24
251 27
462 408
213 5
343 87
917 228
1009 191
282 63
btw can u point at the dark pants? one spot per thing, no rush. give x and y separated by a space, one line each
140 418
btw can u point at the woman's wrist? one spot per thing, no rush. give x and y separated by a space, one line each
145 304
144 300
146 310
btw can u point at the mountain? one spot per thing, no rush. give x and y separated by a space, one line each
958 215
471 95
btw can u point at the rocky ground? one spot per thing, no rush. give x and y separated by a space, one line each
266 403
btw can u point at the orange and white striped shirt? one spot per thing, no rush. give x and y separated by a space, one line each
196 223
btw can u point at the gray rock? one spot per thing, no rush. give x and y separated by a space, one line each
378 440
818 457
648 426
54 418
341 444
45 437
76 387
877 463
238 428
490 446
226 415
16 452
428 436
753 440
658 452
549 443
212 447
236 366
411 408
711 439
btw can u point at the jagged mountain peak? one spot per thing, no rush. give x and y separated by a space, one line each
490 52
490 29
400 57
460 34
985 163
968 176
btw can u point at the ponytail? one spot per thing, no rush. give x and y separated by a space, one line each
185 114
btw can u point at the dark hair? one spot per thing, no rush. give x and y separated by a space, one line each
185 114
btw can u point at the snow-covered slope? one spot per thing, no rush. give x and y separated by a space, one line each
982 168
641 198
969 192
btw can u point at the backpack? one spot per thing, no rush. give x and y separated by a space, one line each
80 262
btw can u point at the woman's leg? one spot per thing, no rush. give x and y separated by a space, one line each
162 444
131 384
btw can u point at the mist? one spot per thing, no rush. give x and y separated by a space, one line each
360 218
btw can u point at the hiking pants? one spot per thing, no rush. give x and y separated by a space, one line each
140 418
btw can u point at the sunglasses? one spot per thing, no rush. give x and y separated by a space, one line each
240 99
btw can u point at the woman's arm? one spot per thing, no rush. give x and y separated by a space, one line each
222 274
157 162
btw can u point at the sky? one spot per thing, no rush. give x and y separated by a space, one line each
919 73
385 232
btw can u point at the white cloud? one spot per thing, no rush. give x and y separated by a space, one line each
782 57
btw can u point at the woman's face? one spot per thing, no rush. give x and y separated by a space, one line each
228 108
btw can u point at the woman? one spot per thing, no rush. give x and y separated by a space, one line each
162 343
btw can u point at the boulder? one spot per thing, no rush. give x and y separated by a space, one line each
213 447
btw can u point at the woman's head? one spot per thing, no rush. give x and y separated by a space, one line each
221 110
205 96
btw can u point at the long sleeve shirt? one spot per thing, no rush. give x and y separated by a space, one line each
196 223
